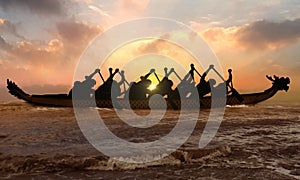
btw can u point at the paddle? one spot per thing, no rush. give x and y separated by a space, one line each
124 82
234 91
183 82
181 85
176 74
101 76
123 77
156 77
206 72
197 72
110 76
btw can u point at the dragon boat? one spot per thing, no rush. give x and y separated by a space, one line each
63 100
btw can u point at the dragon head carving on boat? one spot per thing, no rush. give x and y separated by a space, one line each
281 83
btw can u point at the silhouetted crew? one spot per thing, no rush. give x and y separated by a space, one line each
139 90
186 85
204 87
226 84
229 80
191 72
165 85
84 89
110 88
125 82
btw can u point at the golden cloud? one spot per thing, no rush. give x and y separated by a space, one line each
259 35
47 62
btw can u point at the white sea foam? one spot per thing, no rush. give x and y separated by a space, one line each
237 106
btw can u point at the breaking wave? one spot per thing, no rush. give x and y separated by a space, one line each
42 163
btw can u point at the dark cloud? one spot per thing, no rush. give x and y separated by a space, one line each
265 34
76 33
45 7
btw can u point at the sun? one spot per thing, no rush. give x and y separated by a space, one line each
152 87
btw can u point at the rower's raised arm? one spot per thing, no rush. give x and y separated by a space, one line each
166 71
209 68
97 70
152 70
192 67
93 74
169 73
112 74
147 75
192 71
116 71
122 77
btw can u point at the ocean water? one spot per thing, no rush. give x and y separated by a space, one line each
253 142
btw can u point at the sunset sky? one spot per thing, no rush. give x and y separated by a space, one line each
41 40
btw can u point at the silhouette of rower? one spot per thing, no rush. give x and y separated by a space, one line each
139 90
110 88
228 85
204 87
186 86
84 89
229 80
165 85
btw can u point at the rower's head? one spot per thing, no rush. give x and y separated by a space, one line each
212 82
166 71
152 70
122 73
93 82
229 70
192 66
146 83
77 83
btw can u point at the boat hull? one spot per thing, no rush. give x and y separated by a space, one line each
63 100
